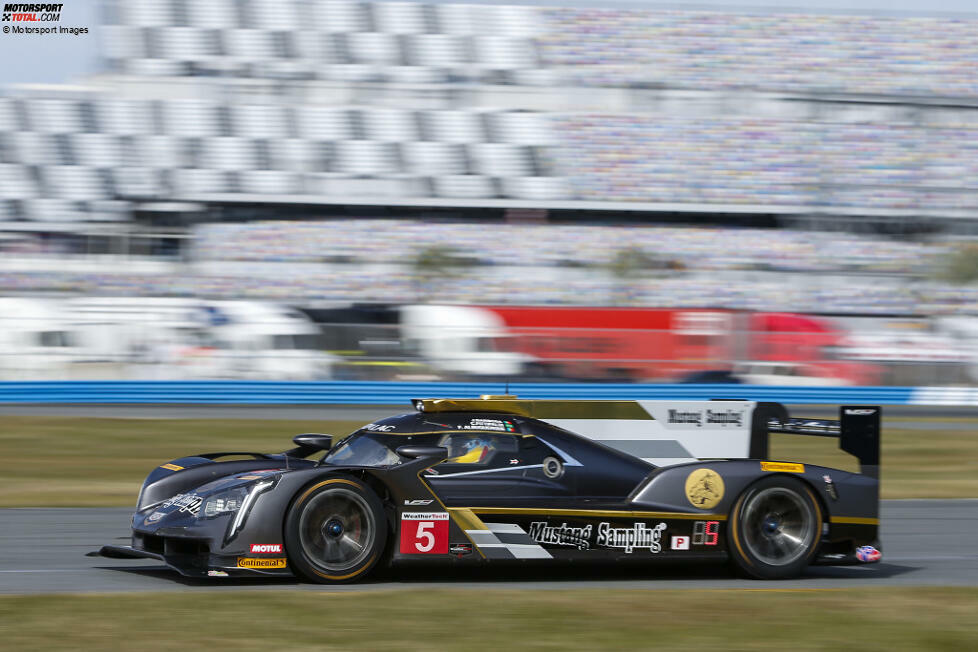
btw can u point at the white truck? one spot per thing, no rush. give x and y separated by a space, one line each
36 341
461 340
167 338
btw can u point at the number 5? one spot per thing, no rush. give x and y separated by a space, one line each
429 537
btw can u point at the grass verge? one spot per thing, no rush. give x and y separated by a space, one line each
860 619
83 462
86 462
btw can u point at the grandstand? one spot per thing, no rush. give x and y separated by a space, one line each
233 109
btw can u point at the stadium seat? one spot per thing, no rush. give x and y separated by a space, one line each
390 125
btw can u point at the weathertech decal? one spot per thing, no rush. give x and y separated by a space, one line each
265 548
247 562
784 467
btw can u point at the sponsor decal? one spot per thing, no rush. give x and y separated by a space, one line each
460 549
189 503
561 535
249 477
680 543
265 548
424 516
783 467
171 467
514 461
248 562
217 573
628 539
418 502
709 417
376 427
424 533
155 516
725 417
868 554
495 425
704 488
861 412
681 416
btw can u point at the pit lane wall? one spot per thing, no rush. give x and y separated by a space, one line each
217 392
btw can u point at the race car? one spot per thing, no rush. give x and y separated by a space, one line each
502 480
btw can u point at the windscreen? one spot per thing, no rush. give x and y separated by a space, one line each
362 450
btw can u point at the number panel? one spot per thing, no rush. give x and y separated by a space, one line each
424 533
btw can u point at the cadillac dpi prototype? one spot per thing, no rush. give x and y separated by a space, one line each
497 479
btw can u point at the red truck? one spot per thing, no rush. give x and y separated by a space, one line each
669 344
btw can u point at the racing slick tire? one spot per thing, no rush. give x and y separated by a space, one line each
775 528
335 531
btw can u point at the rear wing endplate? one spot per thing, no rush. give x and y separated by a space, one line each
858 431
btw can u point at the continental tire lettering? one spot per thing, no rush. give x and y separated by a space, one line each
249 562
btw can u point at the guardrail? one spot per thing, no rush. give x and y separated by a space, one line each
213 392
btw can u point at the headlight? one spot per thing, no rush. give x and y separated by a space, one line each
225 502
238 501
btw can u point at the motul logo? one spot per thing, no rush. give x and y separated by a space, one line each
266 548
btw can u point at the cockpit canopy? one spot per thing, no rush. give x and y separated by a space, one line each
471 439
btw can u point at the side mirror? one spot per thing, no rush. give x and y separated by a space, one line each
308 443
416 452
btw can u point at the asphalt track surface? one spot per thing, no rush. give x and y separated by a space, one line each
926 543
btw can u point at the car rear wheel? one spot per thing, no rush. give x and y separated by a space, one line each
335 531
775 528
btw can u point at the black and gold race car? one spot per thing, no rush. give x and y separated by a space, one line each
502 480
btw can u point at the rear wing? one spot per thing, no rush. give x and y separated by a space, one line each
857 429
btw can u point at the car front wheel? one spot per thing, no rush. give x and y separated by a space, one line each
335 531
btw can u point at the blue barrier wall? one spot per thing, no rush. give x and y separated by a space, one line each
389 393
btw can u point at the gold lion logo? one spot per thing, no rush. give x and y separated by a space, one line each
704 488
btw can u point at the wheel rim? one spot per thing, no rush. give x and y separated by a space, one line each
778 525
336 529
